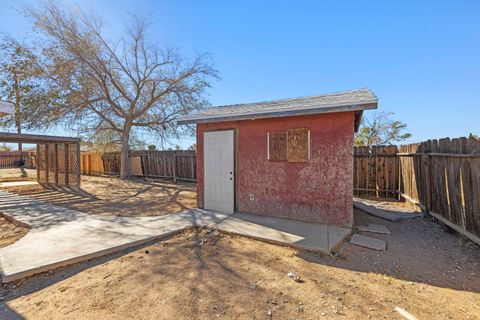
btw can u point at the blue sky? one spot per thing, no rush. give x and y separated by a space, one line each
421 58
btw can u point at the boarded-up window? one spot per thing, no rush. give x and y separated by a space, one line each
277 146
292 145
298 145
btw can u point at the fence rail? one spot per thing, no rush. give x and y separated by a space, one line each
441 176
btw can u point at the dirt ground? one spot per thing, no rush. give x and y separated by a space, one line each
9 233
426 270
112 196
17 174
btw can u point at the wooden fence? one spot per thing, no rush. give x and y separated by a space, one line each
175 165
376 171
11 159
91 163
441 176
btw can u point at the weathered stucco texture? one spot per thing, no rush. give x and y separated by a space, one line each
319 190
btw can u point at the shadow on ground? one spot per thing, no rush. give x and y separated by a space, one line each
115 197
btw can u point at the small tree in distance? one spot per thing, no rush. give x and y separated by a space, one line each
120 86
380 129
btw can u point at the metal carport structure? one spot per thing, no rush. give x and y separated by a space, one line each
57 158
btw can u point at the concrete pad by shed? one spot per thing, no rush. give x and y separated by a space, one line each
302 235
369 242
60 236
203 218
374 228
389 215
46 248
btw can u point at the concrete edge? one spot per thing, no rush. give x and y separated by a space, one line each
384 214
275 242
16 222
90 256
341 240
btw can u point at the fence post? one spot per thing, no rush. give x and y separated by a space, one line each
55 146
47 163
37 157
67 167
78 164
426 159
174 166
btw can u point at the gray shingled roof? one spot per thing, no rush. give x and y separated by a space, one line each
354 100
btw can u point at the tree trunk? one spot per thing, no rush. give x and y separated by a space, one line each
124 161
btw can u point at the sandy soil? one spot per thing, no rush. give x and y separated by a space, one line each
429 272
112 196
17 174
9 232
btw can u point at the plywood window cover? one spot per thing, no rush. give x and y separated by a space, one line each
300 153
298 145
277 146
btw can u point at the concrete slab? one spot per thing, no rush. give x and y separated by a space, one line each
203 218
307 236
374 228
66 243
29 212
389 215
368 242
18 183
61 237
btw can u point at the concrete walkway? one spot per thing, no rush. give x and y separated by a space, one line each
61 236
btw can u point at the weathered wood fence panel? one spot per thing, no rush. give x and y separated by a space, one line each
376 171
91 163
168 164
12 159
176 165
441 176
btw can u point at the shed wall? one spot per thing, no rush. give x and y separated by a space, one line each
319 190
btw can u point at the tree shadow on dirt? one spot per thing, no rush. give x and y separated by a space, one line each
115 197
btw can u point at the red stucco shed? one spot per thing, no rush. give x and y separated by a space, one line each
290 158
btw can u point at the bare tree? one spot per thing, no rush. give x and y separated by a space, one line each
132 83
20 82
380 129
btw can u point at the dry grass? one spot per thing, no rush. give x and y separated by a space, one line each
9 232
17 174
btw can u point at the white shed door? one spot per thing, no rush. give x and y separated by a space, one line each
218 170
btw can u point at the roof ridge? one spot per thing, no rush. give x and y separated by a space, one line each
296 98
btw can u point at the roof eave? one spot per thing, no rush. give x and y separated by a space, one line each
373 104
10 137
